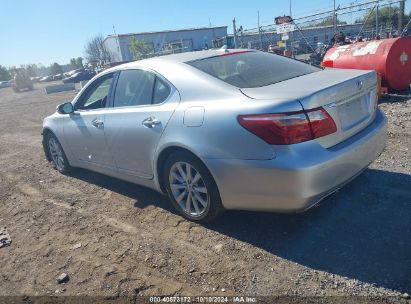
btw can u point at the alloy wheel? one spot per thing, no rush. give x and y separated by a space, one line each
56 153
188 189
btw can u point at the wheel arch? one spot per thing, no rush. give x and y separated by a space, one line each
161 160
47 130
44 132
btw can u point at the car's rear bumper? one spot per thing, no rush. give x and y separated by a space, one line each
300 175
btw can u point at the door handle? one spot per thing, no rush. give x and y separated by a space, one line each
98 123
151 122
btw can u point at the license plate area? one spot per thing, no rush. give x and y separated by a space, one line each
354 112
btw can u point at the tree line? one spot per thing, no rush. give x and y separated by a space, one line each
95 52
387 19
34 70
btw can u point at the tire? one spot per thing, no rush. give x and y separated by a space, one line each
187 179
56 154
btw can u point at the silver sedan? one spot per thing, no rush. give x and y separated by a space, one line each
223 129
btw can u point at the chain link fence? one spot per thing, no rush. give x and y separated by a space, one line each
357 20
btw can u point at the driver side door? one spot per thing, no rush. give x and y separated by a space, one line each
84 129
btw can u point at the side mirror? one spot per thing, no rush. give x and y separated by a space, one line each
65 108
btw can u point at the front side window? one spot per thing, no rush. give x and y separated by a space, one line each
96 95
252 69
138 87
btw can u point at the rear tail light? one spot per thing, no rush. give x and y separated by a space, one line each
289 128
278 129
321 122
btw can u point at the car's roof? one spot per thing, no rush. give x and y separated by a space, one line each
179 58
189 56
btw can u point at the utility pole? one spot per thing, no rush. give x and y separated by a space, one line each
291 35
401 17
376 18
259 30
334 20
389 17
118 44
235 34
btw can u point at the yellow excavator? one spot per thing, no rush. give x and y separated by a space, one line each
21 81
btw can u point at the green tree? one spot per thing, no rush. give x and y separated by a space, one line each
79 62
139 49
55 69
329 21
76 63
387 19
31 70
4 74
73 63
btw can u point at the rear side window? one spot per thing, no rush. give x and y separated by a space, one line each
138 87
134 87
252 69
161 91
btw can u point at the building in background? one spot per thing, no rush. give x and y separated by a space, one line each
164 42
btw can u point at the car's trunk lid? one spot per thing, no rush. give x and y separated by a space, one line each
349 96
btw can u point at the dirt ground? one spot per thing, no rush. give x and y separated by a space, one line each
358 242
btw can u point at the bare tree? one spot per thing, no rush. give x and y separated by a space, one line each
95 50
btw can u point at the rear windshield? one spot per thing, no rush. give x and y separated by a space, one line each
252 69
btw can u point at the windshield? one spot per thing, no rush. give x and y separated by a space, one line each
252 69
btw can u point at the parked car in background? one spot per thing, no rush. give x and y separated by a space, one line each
35 78
274 49
46 78
72 72
223 129
79 76
58 77
4 84
302 47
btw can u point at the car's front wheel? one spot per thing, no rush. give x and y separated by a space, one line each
56 154
191 188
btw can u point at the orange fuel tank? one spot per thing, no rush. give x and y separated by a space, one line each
389 57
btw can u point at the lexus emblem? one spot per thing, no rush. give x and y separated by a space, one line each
359 84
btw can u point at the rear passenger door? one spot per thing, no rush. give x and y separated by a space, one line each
141 108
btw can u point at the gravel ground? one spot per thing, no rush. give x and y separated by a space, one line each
112 238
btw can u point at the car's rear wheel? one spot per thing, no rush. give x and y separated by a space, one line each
191 188
57 155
